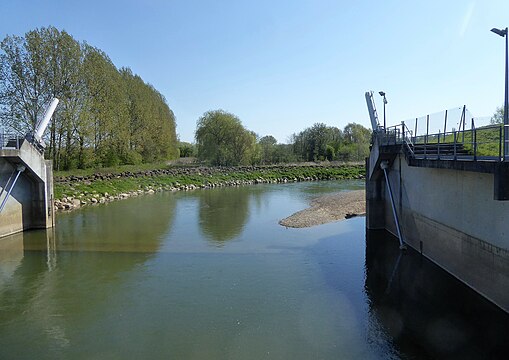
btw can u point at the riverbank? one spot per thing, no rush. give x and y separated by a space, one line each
329 208
73 191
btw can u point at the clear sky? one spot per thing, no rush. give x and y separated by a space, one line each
282 66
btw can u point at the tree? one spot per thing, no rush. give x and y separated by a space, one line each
283 153
356 143
187 149
43 64
23 90
222 140
107 109
311 144
330 153
152 128
320 142
267 148
105 116
498 116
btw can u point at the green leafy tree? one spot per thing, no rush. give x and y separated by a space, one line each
151 121
283 153
43 64
498 116
222 140
105 116
311 144
187 149
356 139
23 90
330 153
107 109
268 147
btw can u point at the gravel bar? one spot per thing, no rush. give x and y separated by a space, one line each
329 208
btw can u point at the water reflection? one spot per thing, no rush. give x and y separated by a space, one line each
163 291
87 259
223 214
426 311
11 255
132 225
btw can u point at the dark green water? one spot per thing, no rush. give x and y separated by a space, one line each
211 275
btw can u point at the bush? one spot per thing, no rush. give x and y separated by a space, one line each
330 153
133 158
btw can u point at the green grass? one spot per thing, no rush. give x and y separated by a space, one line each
487 139
115 186
112 170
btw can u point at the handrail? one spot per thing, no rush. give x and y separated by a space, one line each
477 143
406 130
10 140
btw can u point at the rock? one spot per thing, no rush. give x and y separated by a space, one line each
93 200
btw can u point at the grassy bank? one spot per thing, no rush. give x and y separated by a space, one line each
80 188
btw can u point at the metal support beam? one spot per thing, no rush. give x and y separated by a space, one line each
7 183
19 170
385 166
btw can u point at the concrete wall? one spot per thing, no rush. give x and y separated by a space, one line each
30 205
17 213
451 215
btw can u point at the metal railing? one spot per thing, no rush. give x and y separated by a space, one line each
454 137
485 143
10 140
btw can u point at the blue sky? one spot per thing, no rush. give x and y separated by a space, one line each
282 66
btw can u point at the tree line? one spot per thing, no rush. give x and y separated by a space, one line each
106 116
222 140
109 116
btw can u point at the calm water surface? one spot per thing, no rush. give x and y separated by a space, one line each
210 274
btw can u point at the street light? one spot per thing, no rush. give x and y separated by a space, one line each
503 33
385 102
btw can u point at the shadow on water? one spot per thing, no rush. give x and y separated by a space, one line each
426 311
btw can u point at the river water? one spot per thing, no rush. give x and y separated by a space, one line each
210 274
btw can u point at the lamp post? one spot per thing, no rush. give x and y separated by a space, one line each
385 102
503 33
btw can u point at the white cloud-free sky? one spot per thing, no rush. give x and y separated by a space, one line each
282 66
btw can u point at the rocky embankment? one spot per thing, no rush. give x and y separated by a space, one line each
75 191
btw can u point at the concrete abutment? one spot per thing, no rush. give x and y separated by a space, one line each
30 204
451 216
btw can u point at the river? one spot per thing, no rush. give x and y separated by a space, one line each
209 274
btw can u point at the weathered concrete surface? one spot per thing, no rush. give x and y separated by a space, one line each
453 217
30 205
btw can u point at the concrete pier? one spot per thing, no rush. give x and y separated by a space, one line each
449 215
30 204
